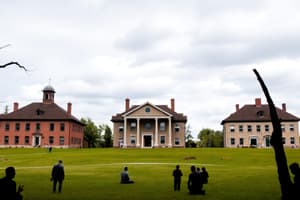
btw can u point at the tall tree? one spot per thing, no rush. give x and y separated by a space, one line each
91 132
108 139
189 137
210 138
276 142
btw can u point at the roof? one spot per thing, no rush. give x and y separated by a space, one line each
175 116
41 112
253 113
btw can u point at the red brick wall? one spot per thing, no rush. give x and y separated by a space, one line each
72 134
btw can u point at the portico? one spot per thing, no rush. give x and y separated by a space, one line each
148 126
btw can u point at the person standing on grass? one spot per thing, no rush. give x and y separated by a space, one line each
177 174
8 188
58 175
125 176
195 183
204 175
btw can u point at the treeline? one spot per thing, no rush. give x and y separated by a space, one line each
96 135
206 138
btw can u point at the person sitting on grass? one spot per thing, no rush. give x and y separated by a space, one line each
125 177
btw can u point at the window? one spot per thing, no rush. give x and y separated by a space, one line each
7 127
162 139
17 126
37 126
249 128
147 109
267 128
257 128
282 127
51 139
121 128
292 140
51 128
241 141
148 126
283 140
27 127
292 127
62 127
241 128
162 126
177 128
16 139
231 128
6 139
61 140
132 139
232 141
132 125
26 139
177 141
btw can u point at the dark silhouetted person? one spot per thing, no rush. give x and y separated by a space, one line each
294 167
58 175
8 188
177 178
204 175
195 182
125 176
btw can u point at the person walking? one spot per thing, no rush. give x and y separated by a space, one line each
57 176
8 188
177 174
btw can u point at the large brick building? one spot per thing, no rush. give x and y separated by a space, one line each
148 125
251 126
41 125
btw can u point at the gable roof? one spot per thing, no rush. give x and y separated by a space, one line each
142 105
163 108
41 112
254 113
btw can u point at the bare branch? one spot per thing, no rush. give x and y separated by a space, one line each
7 45
13 63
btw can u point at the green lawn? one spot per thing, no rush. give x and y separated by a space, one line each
94 173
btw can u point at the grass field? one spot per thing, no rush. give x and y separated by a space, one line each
95 173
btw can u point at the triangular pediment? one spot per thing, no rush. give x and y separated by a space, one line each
147 109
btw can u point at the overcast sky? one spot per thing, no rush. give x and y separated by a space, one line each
97 53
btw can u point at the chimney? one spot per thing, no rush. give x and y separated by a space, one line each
284 107
173 104
127 104
16 106
257 102
237 107
69 111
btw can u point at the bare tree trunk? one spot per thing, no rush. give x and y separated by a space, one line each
276 141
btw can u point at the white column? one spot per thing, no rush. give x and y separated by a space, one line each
138 132
156 132
170 132
125 133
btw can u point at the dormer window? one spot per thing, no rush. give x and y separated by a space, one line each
260 114
39 112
